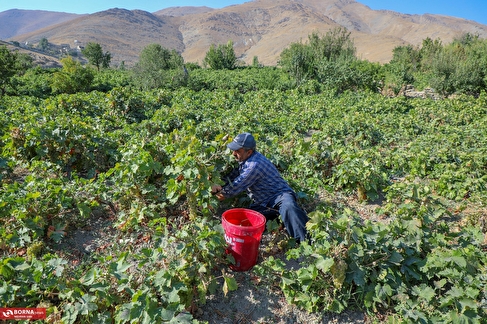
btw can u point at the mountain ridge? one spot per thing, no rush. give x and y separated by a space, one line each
260 28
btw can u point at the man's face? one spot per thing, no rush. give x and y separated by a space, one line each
242 154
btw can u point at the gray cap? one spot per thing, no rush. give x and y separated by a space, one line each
242 140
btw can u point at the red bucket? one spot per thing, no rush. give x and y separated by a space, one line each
243 231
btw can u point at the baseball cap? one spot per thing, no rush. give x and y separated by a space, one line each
242 140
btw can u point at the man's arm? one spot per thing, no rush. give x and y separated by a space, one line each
247 177
228 178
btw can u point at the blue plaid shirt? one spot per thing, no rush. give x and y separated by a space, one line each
259 177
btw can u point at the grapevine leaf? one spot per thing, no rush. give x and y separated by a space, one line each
89 277
173 297
468 303
230 284
70 314
84 210
324 264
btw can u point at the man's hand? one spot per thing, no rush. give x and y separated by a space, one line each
220 196
215 190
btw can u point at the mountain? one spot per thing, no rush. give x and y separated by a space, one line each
182 11
261 28
16 22
121 32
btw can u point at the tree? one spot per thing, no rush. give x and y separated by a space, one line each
107 57
255 62
333 46
297 61
43 44
466 39
460 67
7 68
154 66
406 61
221 57
315 59
11 63
72 78
94 54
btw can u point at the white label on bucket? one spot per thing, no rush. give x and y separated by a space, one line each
230 240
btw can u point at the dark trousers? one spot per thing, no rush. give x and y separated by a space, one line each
292 215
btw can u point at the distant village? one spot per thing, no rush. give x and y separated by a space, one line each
44 47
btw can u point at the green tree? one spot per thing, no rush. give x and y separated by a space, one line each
255 62
333 46
327 59
94 54
466 39
406 61
153 70
298 62
460 67
105 62
429 49
72 78
11 64
221 57
43 44
7 68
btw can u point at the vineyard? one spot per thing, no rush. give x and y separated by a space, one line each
144 161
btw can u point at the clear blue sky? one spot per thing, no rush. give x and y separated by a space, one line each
469 9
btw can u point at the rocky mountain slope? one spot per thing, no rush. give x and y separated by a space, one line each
16 22
261 28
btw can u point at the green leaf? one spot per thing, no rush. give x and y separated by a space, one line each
89 277
33 195
287 281
324 264
86 304
118 269
358 274
122 314
427 293
468 303
58 264
84 210
182 318
212 287
70 314
230 284
166 314
22 266
173 296
395 258
458 260
383 291
7 271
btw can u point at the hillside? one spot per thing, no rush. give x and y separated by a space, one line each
38 57
182 11
16 22
261 28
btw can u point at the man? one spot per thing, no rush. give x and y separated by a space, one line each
270 193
